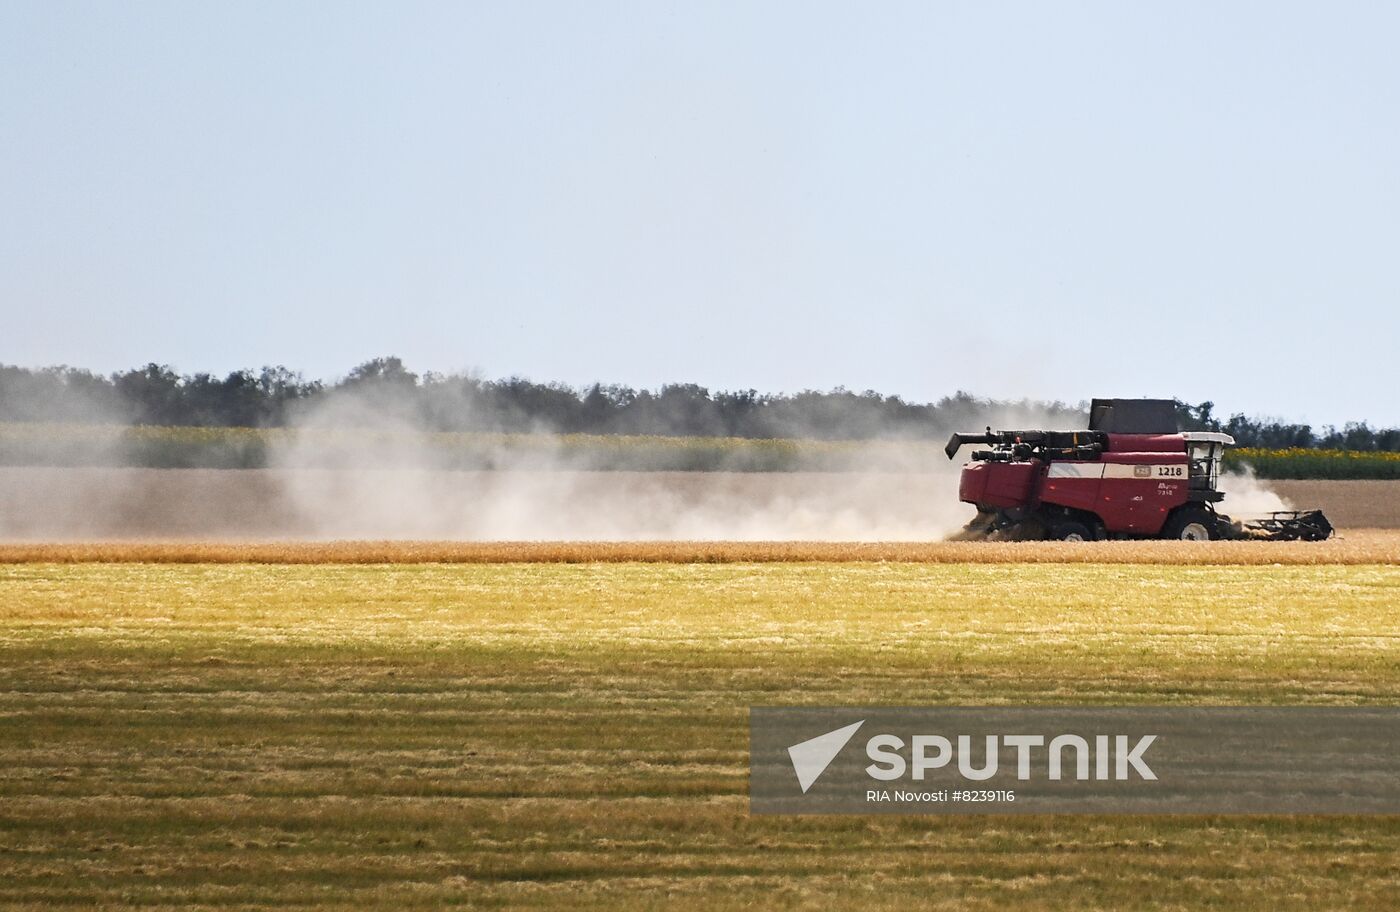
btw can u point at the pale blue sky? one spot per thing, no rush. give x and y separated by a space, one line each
1056 200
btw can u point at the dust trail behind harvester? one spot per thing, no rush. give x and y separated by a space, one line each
558 496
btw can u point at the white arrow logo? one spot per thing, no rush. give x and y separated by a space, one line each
811 758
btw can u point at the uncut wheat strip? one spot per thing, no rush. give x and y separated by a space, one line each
1372 547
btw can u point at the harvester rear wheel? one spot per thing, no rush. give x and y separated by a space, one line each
1192 524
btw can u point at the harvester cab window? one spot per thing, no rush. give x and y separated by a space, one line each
1205 464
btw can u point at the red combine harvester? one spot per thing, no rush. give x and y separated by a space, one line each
1132 474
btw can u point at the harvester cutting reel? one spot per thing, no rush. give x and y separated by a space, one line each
1285 525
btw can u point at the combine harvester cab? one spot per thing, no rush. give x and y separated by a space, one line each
1132 474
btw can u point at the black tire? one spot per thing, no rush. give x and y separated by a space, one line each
1069 530
1192 524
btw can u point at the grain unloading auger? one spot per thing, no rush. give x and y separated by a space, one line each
1132 474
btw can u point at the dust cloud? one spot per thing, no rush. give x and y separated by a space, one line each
1246 497
552 494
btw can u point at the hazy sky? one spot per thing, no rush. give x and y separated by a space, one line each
1055 200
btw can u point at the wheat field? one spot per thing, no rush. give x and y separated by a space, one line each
537 735
1352 547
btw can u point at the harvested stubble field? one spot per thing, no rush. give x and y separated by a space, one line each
527 735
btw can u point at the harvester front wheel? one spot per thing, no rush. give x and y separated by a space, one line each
1071 531
1191 524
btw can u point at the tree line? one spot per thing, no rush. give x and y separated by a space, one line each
384 390
1278 435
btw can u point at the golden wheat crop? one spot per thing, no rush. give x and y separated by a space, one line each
1353 547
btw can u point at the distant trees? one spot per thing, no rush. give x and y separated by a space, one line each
1276 435
153 394
385 390
60 394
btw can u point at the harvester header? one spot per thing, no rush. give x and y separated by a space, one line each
1131 474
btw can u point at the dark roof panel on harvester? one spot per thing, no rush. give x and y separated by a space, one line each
1133 416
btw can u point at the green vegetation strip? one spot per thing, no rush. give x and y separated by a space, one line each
246 448
250 448
535 736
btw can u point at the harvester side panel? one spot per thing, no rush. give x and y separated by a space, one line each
1131 492
1073 484
972 484
1140 489
1001 485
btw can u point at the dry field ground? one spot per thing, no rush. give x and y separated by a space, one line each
527 735
40 504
